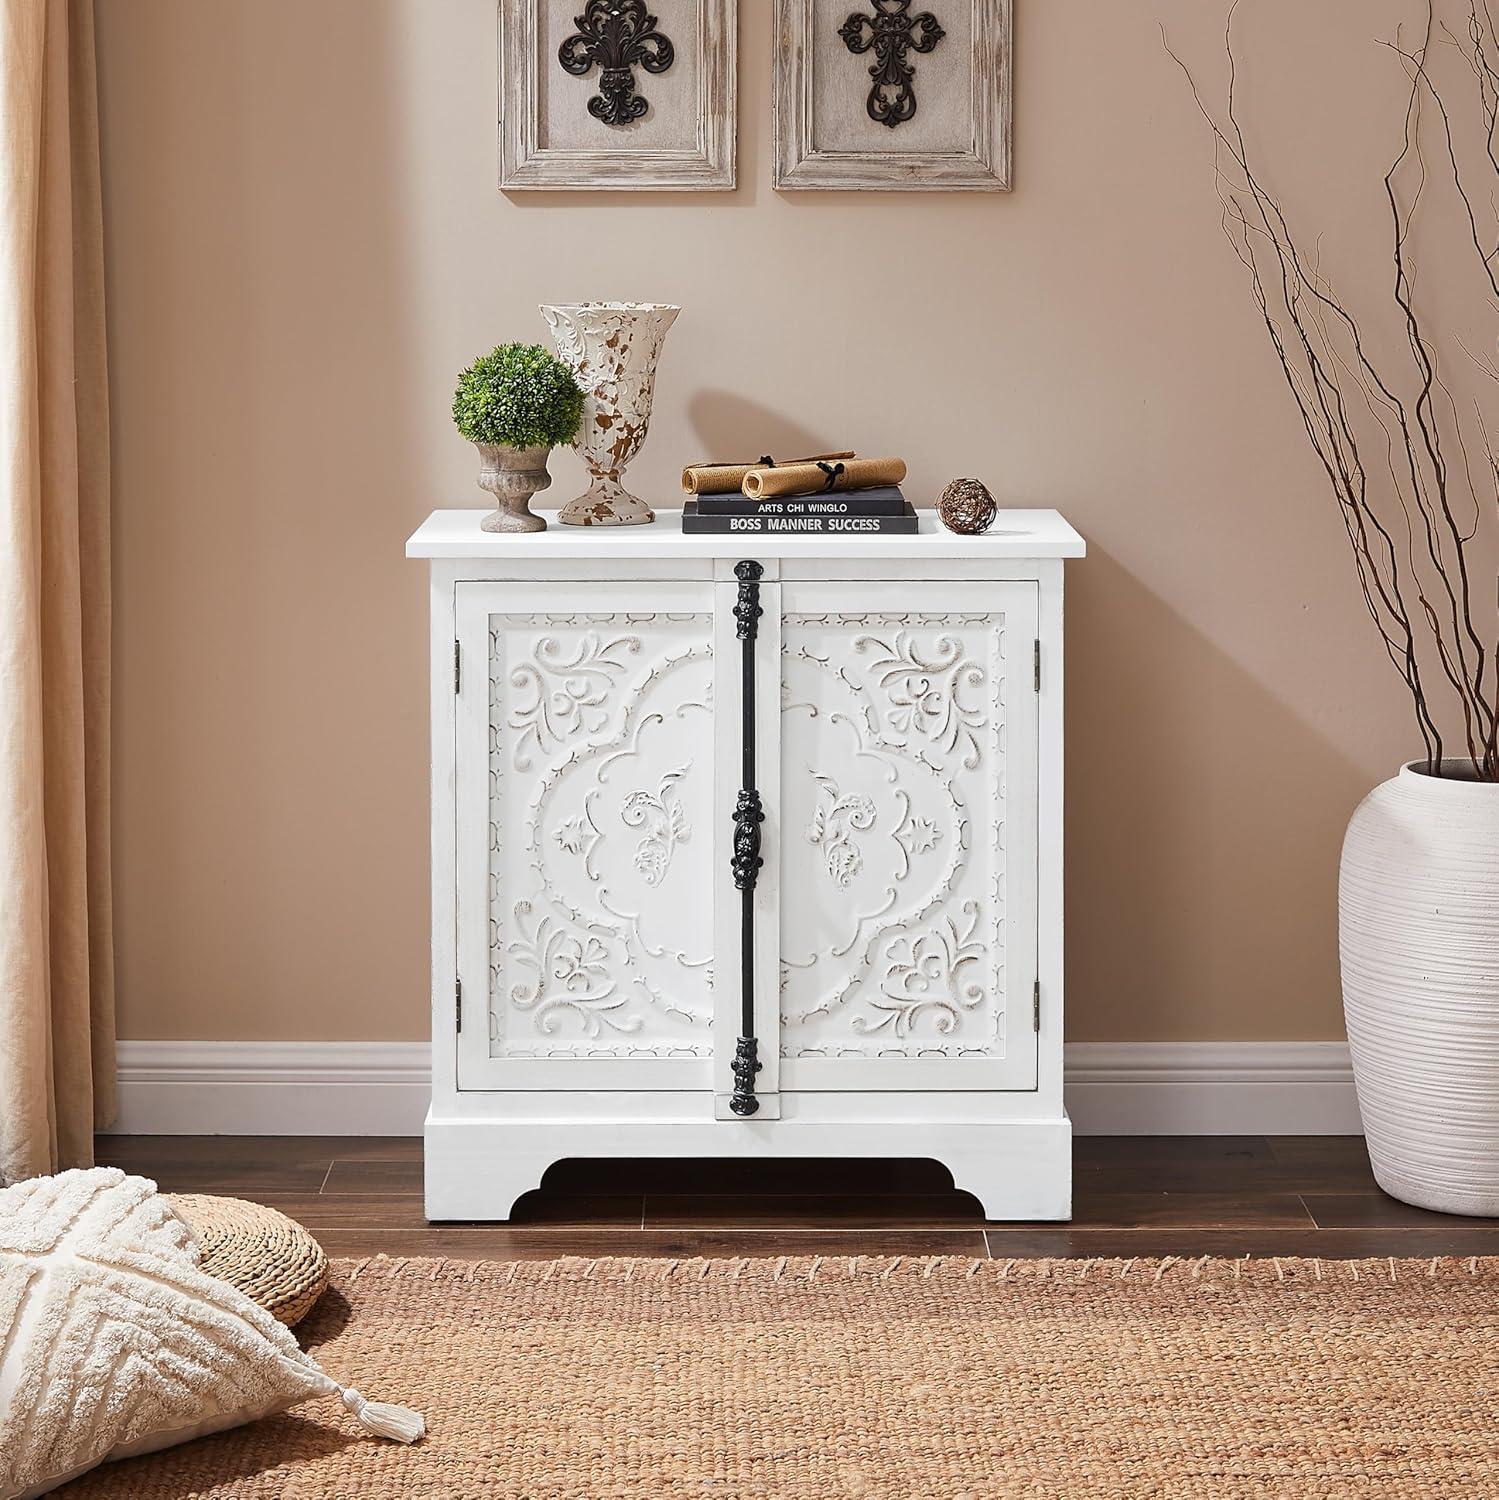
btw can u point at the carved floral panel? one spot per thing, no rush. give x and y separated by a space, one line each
600 780
893 833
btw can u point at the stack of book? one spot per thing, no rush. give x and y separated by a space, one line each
852 513
828 494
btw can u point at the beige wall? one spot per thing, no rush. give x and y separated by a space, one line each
305 244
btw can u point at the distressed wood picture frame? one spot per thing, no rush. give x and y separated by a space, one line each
549 139
811 112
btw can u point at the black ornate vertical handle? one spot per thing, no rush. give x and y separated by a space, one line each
746 861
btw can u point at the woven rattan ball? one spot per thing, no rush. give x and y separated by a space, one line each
967 506
260 1252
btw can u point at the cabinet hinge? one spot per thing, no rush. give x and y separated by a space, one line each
1038 666
1036 1007
458 1002
457 668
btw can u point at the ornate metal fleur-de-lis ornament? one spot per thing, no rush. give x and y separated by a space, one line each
618 35
893 32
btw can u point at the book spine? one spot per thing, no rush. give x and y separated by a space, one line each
851 505
797 525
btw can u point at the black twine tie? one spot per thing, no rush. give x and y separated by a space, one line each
833 472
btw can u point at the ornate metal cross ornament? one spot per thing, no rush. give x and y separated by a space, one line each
893 32
618 35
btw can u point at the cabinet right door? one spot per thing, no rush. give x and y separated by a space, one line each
907 836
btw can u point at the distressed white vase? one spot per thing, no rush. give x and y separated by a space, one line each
1418 905
612 349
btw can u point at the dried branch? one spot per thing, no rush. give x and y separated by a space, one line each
1423 522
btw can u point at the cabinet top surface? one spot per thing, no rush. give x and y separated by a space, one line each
1015 533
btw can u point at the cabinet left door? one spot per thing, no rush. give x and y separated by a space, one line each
585 798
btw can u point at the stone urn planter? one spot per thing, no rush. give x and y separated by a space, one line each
515 404
612 349
1418 903
512 476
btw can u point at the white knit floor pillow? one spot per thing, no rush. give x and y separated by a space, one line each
114 1343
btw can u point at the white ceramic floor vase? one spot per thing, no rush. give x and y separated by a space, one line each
1418 904
612 349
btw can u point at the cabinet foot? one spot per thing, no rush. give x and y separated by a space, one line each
478 1168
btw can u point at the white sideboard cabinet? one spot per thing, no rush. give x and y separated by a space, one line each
746 846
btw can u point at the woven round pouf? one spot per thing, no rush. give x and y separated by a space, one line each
260 1252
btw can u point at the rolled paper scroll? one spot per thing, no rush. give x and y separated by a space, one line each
726 479
822 476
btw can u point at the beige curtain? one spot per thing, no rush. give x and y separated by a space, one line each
56 965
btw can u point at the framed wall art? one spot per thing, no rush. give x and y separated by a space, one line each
617 94
893 94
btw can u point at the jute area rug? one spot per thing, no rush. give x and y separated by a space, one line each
883 1377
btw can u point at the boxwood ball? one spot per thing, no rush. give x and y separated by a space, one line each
967 506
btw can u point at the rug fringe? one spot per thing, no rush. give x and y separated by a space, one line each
1164 1271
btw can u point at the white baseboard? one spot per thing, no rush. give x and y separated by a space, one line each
380 1088
272 1088
1211 1088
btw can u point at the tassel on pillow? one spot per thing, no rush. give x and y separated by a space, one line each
384 1418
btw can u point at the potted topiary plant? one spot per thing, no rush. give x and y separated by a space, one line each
514 404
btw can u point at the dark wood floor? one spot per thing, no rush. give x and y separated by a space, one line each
1173 1195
